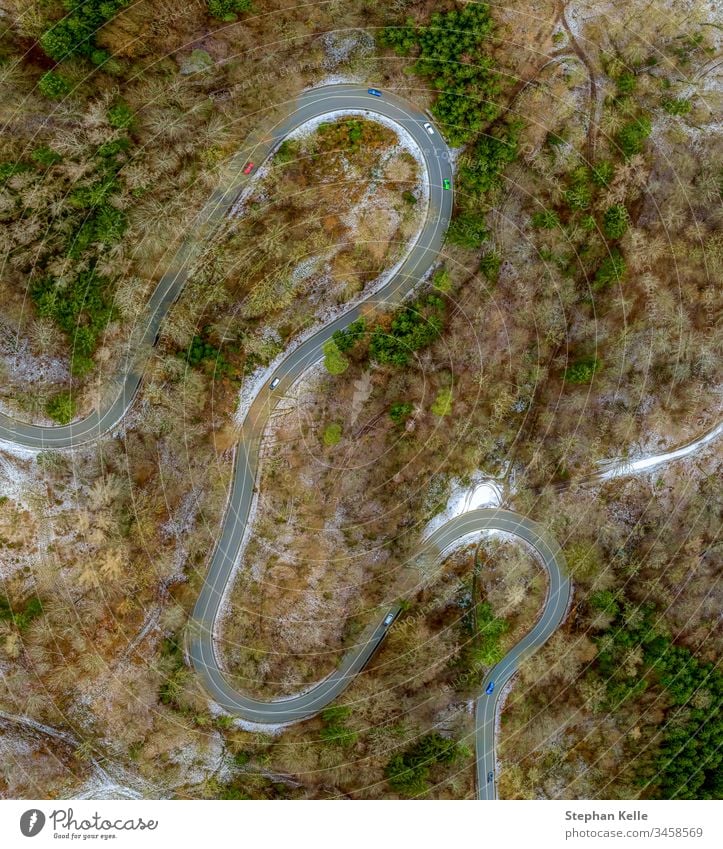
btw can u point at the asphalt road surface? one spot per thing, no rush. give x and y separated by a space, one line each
423 254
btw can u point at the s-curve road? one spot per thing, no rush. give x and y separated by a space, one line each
312 104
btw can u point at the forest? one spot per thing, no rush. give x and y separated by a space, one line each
572 318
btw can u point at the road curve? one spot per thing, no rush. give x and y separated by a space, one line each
200 642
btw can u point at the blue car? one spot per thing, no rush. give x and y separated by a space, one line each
374 91
490 688
490 777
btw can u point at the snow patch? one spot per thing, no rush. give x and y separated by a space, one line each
343 46
622 468
258 727
15 481
19 452
482 491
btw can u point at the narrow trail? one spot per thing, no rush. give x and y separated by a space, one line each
594 105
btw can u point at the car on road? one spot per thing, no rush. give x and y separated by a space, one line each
274 383
389 618
429 128
248 168
490 777
374 91
490 688
446 184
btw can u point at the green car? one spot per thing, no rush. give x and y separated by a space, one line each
446 184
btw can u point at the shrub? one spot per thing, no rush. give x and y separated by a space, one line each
408 197
400 411
61 408
93 195
334 361
442 404
21 618
605 601
240 759
408 772
626 83
677 107
412 328
335 729
81 308
53 85
467 230
74 35
99 57
490 265
202 352
10 169
110 224
583 370
120 115
228 10
632 135
345 340
45 156
603 173
490 630
554 140
612 269
332 434
482 169
402 39
615 221
580 175
111 149
546 219
441 280
287 152
578 197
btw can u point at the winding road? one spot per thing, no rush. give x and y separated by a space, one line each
200 643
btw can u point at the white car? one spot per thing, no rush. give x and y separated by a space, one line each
274 383
388 619
428 127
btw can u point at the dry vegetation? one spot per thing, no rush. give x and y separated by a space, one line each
569 730
336 206
543 366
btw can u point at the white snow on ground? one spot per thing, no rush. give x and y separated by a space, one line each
342 46
622 468
337 79
259 727
305 269
480 492
579 15
20 452
96 789
27 369
179 525
15 481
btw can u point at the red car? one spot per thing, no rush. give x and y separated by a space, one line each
249 168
